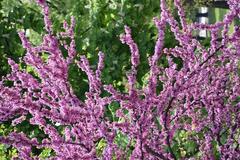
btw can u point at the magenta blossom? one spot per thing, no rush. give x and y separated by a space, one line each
200 100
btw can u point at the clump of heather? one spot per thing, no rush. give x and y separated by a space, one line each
198 104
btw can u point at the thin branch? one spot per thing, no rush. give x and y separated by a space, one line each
209 57
154 153
142 155
166 128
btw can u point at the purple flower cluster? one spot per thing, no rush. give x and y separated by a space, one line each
201 98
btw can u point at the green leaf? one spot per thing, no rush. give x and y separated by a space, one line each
46 153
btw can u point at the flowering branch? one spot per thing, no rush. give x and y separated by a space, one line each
201 98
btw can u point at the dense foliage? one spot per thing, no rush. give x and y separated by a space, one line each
176 110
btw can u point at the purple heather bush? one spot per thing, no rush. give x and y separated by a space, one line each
199 101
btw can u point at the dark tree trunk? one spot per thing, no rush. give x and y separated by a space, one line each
198 15
200 38
219 4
